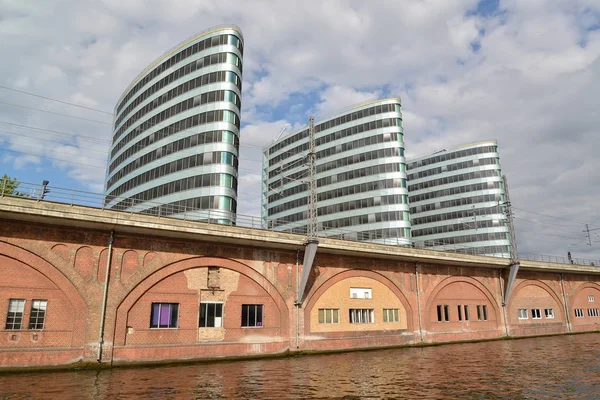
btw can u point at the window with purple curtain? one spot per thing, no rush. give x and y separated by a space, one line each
164 315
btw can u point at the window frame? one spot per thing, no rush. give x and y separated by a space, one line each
15 326
536 313
522 311
259 317
332 313
218 306
39 315
356 315
393 312
160 305
549 313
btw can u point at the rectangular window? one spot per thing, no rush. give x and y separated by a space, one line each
536 313
591 299
459 313
391 315
485 314
523 313
329 316
478 313
211 315
439 314
549 313
466 312
592 312
38 314
360 293
164 315
579 313
252 315
446 313
14 317
362 316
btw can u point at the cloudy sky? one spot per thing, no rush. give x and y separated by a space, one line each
526 73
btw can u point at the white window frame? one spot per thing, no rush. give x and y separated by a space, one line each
361 293
591 299
592 312
523 311
579 313
391 315
332 313
16 311
362 316
536 313
549 313
218 320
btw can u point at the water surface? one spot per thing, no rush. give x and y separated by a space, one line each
560 367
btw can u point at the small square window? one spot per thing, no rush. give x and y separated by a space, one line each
523 314
391 315
536 313
549 313
252 315
211 315
591 299
579 313
164 315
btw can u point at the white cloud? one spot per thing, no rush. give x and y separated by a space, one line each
532 84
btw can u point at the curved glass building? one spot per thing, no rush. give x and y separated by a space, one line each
361 176
176 132
456 201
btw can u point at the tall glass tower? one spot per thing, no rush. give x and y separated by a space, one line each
176 132
361 177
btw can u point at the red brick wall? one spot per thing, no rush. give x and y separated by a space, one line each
67 267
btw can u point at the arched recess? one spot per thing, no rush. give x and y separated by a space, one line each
433 297
512 309
318 292
73 297
197 262
579 299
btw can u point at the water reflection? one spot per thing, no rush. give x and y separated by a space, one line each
541 368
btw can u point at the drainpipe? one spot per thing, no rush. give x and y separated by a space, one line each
502 300
297 302
105 295
562 284
419 301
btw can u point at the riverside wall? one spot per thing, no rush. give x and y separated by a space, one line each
358 295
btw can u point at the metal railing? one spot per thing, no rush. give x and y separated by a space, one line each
39 192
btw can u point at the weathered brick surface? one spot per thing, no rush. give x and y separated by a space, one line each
67 267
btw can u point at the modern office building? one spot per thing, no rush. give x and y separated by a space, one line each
176 132
456 201
361 176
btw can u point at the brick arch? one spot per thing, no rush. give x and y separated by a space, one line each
316 294
587 285
130 298
541 285
58 278
458 279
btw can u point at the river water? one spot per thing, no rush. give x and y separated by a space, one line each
538 368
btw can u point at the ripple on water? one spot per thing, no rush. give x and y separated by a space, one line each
541 368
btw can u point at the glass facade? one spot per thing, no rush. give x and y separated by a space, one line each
362 189
456 201
176 132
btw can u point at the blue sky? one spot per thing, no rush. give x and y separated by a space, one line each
524 73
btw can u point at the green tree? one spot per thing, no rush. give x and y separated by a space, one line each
8 187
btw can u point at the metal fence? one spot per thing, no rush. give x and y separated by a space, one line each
56 194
